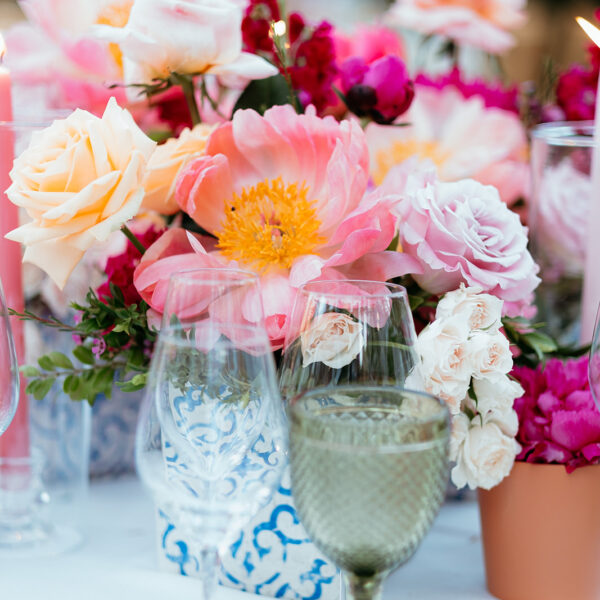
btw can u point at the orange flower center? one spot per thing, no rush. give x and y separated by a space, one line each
269 225
400 151
115 15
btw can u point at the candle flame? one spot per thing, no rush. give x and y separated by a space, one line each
591 30
2 47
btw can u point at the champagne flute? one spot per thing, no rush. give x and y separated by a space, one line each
211 439
594 362
369 470
9 373
349 331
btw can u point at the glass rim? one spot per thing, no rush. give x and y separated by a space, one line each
169 330
186 275
395 291
442 413
564 133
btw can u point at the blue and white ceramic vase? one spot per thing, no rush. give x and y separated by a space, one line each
273 555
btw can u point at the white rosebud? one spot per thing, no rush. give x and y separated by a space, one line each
446 364
490 354
485 457
334 339
481 311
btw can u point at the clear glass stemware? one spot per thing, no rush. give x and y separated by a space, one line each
349 332
211 440
9 374
369 470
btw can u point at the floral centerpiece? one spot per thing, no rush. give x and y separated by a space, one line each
300 153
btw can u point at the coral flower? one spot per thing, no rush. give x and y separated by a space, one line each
462 137
283 195
480 23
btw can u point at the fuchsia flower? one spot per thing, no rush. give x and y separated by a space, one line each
368 42
283 196
558 419
576 93
381 90
494 95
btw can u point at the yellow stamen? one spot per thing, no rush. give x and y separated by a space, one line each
115 15
269 225
400 151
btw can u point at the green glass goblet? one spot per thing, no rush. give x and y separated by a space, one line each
369 467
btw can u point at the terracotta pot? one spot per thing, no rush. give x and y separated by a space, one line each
541 533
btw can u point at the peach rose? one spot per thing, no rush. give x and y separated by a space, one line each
334 339
490 354
166 163
482 311
79 180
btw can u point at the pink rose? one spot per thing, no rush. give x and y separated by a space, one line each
461 232
381 90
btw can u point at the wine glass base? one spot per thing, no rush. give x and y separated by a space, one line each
37 539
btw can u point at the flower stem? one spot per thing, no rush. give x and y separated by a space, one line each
131 237
186 83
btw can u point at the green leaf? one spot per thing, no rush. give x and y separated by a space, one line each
60 360
415 302
46 363
29 371
262 94
70 384
39 388
84 355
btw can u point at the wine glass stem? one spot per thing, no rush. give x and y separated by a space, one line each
363 588
208 569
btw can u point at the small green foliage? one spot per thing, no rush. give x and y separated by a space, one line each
535 346
262 94
116 345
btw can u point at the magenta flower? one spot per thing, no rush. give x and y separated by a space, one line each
381 90
558 420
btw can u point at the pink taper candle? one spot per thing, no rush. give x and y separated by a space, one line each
15 440
591 281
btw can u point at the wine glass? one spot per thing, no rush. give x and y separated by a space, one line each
594 362
369 467
9 373
211 441
349 331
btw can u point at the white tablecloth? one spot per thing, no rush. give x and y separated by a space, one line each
117 560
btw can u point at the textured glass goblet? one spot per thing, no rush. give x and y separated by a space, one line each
9 373
211 440
594 362
350 331
369 471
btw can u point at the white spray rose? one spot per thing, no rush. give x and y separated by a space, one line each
482 311
334 339
485 457
446 365
490 354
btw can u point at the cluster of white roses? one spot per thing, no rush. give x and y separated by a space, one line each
466 360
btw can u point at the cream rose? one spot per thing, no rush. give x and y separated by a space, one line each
458 434
485 457
490 354
482 311
184 36
497 392
334 339
79 180
446 365
166 163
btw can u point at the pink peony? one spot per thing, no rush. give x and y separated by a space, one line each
381 90
558 420
480 23
462 137
463 232
283 196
